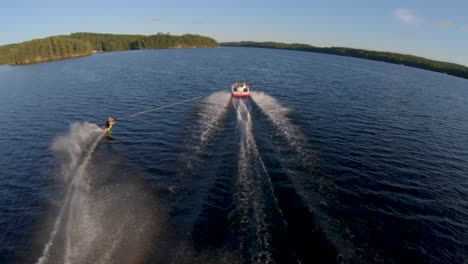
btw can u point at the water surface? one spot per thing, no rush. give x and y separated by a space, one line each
332 159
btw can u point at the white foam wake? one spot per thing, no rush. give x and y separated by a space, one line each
314 189
107 215
74 151
278 115
209 118
253 178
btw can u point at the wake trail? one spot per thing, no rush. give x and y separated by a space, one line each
74 144
304 158
107 214
209 122
314 188
250 196
278 115
211 115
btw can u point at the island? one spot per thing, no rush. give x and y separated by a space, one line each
391 57
84 44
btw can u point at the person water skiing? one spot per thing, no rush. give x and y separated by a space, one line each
109 123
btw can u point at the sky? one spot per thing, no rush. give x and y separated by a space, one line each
435 29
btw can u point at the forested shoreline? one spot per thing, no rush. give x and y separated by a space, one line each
84 44
391 57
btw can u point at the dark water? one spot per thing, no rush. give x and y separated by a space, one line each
331 160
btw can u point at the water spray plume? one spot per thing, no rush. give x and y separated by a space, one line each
107 215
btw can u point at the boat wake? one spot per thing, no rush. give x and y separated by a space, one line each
303 160
209 122
245 209
300 161
107 215
278 115
253 193
211 115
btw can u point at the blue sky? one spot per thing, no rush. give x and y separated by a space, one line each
433 28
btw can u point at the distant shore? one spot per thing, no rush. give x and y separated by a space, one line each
396 58
84 44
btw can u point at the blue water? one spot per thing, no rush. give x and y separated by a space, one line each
331 160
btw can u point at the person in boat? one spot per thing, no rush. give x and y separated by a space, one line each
108 126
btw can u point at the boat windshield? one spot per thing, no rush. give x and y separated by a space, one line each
240 87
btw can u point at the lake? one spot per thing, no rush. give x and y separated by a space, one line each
331 160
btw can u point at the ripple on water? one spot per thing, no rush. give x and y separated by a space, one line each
385 145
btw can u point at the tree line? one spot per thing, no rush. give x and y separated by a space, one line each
391 57
47 49
83 44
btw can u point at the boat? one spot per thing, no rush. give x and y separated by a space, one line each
240 90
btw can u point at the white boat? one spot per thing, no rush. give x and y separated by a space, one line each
240 90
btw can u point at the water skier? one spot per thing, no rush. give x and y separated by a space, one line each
107 127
